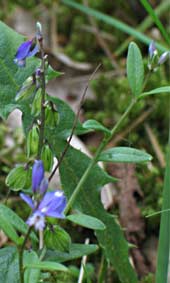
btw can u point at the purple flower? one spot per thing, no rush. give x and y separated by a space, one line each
152 49
52 205
37 176
26 49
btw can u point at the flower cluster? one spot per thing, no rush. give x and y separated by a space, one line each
154 60
45 204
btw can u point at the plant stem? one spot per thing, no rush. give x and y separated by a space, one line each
21 252
95 158
43 88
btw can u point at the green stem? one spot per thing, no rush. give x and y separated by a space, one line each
21 253
95 159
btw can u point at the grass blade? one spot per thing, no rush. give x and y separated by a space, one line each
162 273
113 22
155 18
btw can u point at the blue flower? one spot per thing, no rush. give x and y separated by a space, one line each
26 49
44 204
52 205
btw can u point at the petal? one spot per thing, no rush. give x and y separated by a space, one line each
37 220
43 186
34 51
37 175
20 63
28 200
23 50
53 204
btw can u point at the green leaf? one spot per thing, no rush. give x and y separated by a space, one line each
57 238
11 76
31 275
9 267
163 89
15 220
17 178
135 69
95 125
46 265
51 73
88 202
110 20
8 229
87 221
162 272
76 251
125 155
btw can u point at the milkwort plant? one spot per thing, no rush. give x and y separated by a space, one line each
41 244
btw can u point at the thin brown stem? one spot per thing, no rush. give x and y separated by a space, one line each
74 123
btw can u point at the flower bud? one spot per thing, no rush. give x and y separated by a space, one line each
36 105
17 178
27 90
152 49
163 57
33 141
51 117
47 157
37 175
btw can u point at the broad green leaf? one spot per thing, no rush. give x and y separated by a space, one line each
46 265
163 271
9 267
8 229
163 89
87 221
11 76
31 275
15 220
110 20
95 125
57 239
125 155
135 69
76 251
88 202
51 73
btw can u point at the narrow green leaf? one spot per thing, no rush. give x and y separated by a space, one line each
125 155
31 275
87 221
135 69
46 265
76 251
16 221
162 271
113 22
163 89
51 73
9 267
8 229
95 125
